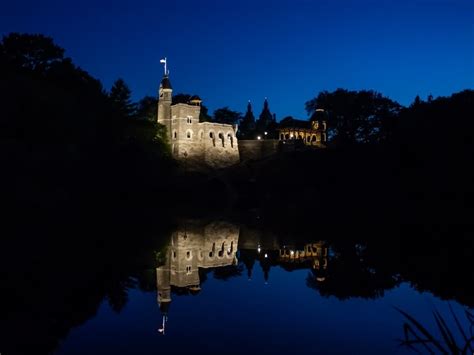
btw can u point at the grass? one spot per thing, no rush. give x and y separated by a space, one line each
416 335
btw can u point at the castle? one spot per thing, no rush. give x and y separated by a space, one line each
215 145
209 143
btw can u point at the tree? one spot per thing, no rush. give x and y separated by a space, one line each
29 52
225 115
147 109
120 96
357 116
181 98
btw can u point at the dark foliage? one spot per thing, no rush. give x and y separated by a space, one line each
357 116
226 115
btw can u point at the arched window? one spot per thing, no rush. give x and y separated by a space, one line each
175 134
212 136
189 134
308 139
221 252
221 137
231 139
313 139
287 136
211 253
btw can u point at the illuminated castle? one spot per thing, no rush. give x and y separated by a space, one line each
202 143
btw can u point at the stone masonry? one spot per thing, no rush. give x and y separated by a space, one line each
197 143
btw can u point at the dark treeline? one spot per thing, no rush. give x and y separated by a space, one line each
69 147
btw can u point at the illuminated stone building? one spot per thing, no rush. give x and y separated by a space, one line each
199 143
312 255
311 133
193 246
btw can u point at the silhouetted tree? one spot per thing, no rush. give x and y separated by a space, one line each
357 116
225 115
29 52
437 147
147 109
120 95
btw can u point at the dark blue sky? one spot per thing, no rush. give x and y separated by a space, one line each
288 50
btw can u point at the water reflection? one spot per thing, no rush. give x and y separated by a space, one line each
338 279
195 248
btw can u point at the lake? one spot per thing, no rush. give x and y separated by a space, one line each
215 286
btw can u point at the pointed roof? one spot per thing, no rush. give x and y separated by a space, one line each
165 82
266 115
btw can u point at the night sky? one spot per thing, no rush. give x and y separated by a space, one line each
287 50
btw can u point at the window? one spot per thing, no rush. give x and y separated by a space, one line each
188 255
175 135
188 134
188 269
221 252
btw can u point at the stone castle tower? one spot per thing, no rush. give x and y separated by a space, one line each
197 143
165 95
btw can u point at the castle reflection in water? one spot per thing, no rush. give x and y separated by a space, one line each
221 246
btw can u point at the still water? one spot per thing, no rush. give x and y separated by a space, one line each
222 288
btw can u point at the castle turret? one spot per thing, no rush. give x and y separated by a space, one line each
164 292
266 121
247 126
165 94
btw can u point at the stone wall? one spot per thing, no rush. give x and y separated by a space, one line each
257 149
206 143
